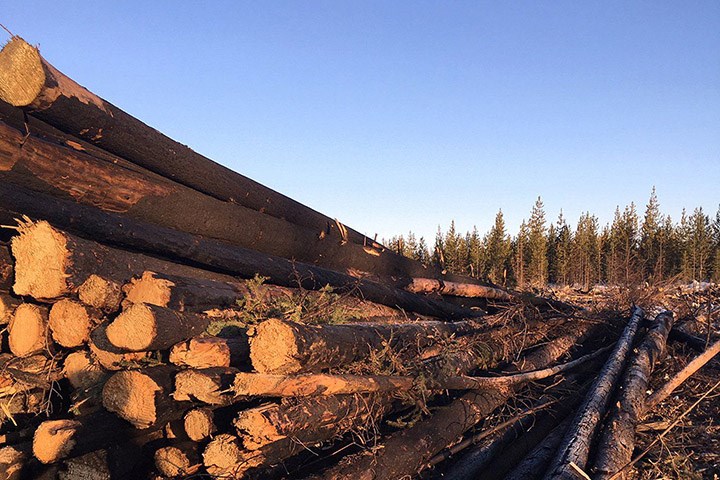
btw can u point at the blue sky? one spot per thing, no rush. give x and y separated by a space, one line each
396 116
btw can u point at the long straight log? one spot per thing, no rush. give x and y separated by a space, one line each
575 448
142 327
282 347
407 451
117 229
29 81
536 462
617 440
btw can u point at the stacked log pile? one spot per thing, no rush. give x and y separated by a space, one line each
165 317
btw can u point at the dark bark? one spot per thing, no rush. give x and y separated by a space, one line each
575 448
536 462
119 230
6 268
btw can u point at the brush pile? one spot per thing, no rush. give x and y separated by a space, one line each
166 317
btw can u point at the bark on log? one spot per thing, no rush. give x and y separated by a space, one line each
617 440
143 397
282 347
141 327
207 385
119 230
109 356
8 304
23 374
404 453
83 371
6 268
575 447
31 82
431 285
536 462
116 187
687 371
206 352
28 330
70 322
55 440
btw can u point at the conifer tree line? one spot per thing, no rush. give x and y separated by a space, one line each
633 249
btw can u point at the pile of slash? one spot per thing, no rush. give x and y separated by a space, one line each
165 317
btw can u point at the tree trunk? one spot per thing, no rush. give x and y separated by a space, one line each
282 347
143 397
576 444
407 451
178 460
618 437
143 327
206 352
536 462
119 230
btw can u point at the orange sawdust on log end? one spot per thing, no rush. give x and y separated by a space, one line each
100 293
148 289
172 462
222 455
273 348
202 352
27 331
108 354
21 73
70 323
131 395
82 370
134 329
199 424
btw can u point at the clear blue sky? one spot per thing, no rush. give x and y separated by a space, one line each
396 116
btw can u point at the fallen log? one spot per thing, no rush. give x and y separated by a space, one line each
404 453
432 285
143 327
617 440
70 322
83 371
698 362
13 459
107 354
28 330
574 450
536 462
210 254
206 352
199 424
143 397
282 347
30 82
179 459
207 385
100 293
23 374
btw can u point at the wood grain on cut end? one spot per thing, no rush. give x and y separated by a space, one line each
41 260
199 424
273 348
148 289
222 455
109 356
27 331
70 323
12 460
83 370
134 329
100 293
131 395
53 440
21 73
172 462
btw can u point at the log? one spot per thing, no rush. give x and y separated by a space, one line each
23 374
70 322
13 459
8 304
28 330
6 268
432 285
207 385
698 362
114 186
538 459
199 424
141 327
617 440
143 397
283 347
404 453
107 354
100 293
55 440
30 82
83 371
206 352
221 456
213 255
183 293
575 447
178 460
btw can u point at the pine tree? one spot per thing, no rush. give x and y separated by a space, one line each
586 251
650 249
715 233
560 256
475 255
422 254
624 238
520 255
537 246
438 255
497 251
698 246
450 249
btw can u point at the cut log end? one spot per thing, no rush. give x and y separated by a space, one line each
53 440
255 427
221 456
21 73
27 330
107 354
273 348
172 462
203 352
41 259
100 293
199 424
82 370
134 329
12 460
148 289
70 323
131 395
